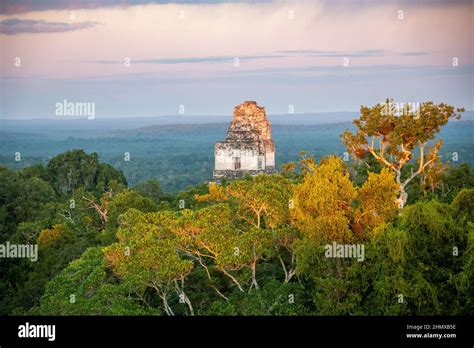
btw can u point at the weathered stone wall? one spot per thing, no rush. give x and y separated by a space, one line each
248 146
249 158
270 159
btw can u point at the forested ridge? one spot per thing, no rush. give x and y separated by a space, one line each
253 246
178 155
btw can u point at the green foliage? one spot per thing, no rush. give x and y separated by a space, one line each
34 200
149 260
31 211
86 287
262 201
253 246
463 204
34 171
150 189
329 207
120 204
74 169
274 298
449 182
422 265
322 202
393 138
377 201
456 179
464 281
27 232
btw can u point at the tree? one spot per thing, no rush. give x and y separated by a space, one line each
274 298
150 259
323 201
263 202
455 180
216 194
419 257
210 237
9 188
329 208
150 189
36 170
74 169
35 200
464 281
109 178
263 198
76 212
85 287
57 246
463 204
284 239
377 201
114 206
394 139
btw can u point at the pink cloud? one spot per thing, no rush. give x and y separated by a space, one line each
15 26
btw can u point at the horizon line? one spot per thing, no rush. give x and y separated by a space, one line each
71 118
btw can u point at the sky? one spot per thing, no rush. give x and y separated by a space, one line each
150 58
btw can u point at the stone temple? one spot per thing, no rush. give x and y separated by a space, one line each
248 147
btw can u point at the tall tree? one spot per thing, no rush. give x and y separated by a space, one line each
150 259
394 138
323 201
264 198
74 169
86 287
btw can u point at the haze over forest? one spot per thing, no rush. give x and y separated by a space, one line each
179 150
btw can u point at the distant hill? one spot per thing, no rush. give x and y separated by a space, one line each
100 125
183 154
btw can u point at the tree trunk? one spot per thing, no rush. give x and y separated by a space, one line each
220 293
288 273
232 278
182 294
167 307
403 197
254 279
